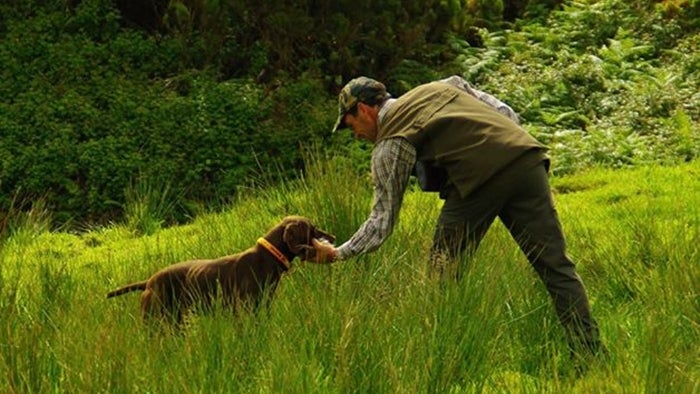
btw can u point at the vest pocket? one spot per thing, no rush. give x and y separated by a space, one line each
430 178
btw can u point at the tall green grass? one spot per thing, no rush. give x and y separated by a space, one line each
377 323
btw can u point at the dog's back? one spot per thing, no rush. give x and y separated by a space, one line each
240 280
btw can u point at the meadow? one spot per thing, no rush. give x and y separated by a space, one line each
375 324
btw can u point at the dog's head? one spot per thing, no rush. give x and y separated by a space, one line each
298 233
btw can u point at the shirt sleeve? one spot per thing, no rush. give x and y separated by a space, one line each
487 98
392 162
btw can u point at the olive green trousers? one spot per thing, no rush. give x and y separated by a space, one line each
520 196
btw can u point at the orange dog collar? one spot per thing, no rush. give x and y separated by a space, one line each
274 251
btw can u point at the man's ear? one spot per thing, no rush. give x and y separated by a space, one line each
363 108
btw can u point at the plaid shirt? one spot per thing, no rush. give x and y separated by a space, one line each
392 163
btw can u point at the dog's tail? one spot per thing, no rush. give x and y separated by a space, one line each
127 289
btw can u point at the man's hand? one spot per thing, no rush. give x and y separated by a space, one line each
325 251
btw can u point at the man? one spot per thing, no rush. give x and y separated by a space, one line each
468 146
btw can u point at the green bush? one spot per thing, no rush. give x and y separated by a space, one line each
88 114
198 97
598 85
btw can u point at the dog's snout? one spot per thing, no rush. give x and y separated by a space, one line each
324 236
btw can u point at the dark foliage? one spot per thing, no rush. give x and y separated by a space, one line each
198 96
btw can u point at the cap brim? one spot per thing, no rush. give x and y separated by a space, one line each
339 124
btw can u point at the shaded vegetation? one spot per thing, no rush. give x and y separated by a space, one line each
196 97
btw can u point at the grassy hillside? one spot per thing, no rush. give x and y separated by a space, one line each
373 324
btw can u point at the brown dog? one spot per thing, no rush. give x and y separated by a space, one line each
244 279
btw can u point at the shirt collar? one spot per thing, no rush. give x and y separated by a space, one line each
385 108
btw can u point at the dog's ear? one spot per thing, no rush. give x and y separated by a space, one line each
297 235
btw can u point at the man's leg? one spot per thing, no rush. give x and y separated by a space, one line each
462 224
532 220
464 221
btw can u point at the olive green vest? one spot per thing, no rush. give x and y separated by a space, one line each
456 132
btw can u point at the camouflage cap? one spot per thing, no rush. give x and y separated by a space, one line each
361 89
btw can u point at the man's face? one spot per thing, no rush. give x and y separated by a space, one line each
363 122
